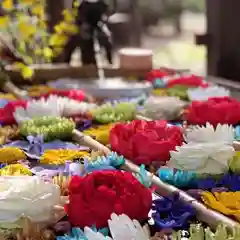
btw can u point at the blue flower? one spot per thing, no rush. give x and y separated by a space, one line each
237 133
206 184
171 212
177 178
109 162
143 177
78 234
159 83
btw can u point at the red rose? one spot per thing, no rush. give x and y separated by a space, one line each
93 198
223 110
144 142
154 74
188 81
6 113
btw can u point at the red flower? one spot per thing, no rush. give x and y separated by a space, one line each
93 198
151 76
188 81
144 142
77 95
6 113
223 110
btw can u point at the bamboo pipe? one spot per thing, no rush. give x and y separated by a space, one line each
9 87
211 217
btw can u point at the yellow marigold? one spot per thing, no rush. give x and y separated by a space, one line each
4 21
11 154
58 40
58 157
37 90
7 4
7 96
26 71
15 170
63 183
101 133
160 92
26 29
68 17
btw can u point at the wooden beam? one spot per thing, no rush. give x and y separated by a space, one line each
223 50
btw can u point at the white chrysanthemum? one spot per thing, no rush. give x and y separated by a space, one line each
121 227
209 158
53 106
222 133
167 108
20 196
202 94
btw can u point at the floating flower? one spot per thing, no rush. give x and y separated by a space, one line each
237 133
203 94
207 158
87 234
145 141
122 227
187 81
49 127
77 95
108 113
166 108
6 113
221 110
38 90
27 229
114 191
225 202
197 231
178 91
53 106
154 75
143 177
100 133
15 170
35 145
177 178
235 163
171 212
60 156
204 134
7 133
21 195
109 162
11 154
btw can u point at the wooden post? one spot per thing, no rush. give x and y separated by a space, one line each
136 23
54 12
224 37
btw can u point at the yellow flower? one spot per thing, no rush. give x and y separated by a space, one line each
101 133
38 10
47 53
26 71
7 4
4 21
68 17
26 30
11 154
58 157
15 170
58 40
227 203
